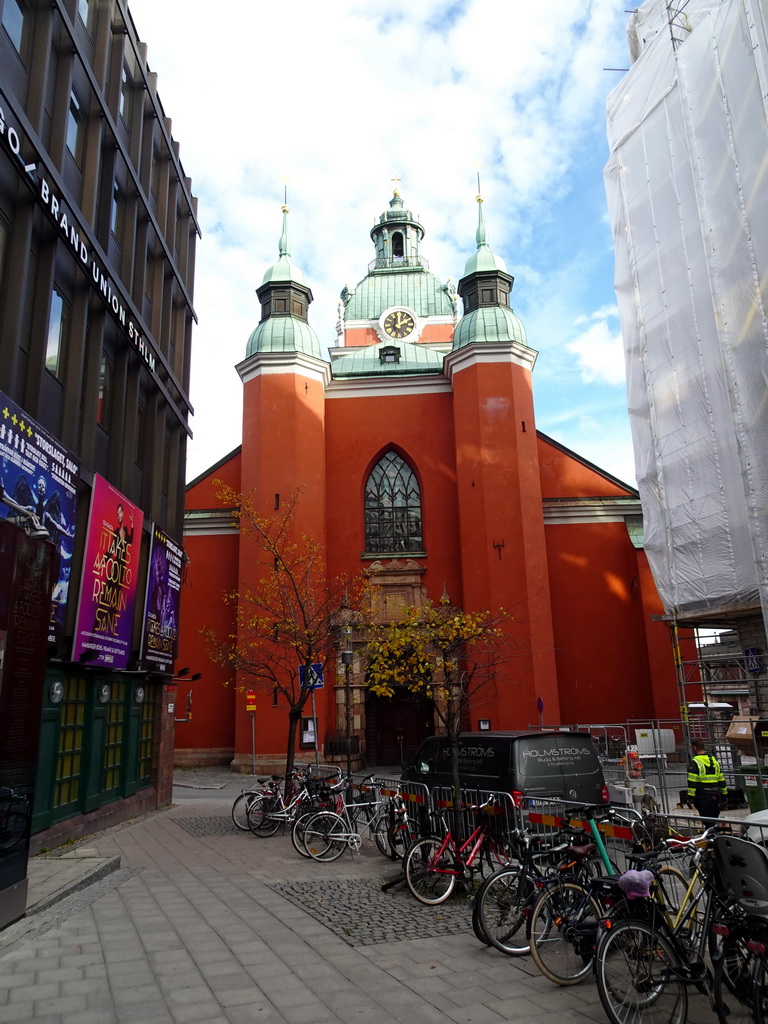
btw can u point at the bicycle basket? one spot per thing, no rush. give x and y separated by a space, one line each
651 832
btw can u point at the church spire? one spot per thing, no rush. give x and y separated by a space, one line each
485 289
285 300
483 259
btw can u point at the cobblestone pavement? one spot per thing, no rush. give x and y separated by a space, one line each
223 928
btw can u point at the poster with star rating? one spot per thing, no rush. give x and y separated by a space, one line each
38 491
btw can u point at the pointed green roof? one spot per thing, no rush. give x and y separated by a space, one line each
285 299
483 260
284 270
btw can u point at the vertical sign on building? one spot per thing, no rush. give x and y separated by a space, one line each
110 571
160 637
38 491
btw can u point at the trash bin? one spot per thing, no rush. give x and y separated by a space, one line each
754 789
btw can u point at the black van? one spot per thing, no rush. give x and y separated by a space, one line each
561 765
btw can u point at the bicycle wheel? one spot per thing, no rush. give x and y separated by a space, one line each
430 871
261 820
240 810
638 976
298 831
759 991
326 836
503 904
735 984
563 932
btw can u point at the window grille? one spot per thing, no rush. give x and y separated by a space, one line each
392 507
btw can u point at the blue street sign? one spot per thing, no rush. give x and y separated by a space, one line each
315 677
753 660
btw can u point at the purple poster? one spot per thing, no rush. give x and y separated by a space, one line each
110 570
38 491
161 631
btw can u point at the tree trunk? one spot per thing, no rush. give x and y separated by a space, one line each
294 717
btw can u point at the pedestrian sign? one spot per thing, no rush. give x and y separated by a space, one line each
250 701
315 681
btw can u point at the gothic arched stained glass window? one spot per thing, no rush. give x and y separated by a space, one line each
392 507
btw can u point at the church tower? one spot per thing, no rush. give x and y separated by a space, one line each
502 546
283 446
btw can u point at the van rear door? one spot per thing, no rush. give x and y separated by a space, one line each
561 765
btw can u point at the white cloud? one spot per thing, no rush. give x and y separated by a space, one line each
599 350
340 98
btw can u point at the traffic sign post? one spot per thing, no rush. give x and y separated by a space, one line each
250 707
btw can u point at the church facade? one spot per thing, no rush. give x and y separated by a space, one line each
415 444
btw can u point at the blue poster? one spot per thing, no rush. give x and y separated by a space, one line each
161 616
38 491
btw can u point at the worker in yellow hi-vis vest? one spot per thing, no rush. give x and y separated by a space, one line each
706 782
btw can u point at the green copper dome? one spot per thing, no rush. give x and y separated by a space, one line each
489 323
422 292
284 334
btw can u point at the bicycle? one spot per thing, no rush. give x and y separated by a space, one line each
331 798
435 863
740 984
503 903
328 833
644 966
269 810
564 922
246 798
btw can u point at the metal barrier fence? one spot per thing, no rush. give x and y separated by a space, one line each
499 806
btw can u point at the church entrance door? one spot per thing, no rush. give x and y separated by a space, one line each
395 727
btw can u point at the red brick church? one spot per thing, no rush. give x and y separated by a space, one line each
415 441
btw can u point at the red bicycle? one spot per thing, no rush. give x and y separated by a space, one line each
434 864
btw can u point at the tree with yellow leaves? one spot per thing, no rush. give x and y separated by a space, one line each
289 615
441 652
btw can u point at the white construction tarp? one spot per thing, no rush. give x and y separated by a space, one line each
687 187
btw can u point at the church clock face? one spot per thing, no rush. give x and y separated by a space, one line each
398 324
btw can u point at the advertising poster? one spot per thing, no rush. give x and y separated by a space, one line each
110 571
161 616
38 491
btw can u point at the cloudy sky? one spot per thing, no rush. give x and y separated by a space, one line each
337 99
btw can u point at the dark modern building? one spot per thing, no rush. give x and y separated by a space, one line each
97 247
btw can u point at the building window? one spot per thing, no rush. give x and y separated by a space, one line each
13 23
154 174
126 84
141 435
389 354
104 408
58 326
75 131
392 507
117 212
84 10
4 240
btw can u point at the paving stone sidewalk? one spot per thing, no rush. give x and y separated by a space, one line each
228 928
